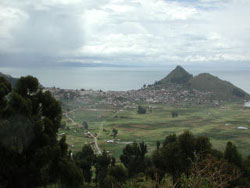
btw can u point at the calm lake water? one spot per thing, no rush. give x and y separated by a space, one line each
115 78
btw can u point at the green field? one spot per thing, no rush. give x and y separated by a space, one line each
219 123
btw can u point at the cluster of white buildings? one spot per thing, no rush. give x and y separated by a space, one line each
131 98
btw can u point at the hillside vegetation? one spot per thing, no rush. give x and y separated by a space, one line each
216 88
220 89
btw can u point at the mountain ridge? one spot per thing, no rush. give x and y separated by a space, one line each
204 82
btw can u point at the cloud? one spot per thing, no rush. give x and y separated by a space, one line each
10 19
126 31
49 32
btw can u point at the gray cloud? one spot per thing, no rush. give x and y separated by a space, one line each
52 31
124 31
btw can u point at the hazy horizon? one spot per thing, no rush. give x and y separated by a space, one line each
45 38
119 78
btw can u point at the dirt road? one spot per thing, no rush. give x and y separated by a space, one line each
99 151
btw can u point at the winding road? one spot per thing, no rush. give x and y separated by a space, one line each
99 151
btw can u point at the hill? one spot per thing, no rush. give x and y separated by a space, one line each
219 88
214 87
9 78
177 76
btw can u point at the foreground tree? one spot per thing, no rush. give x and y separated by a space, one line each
5 89
133 158
187 142
177 154
102 164
203 147
232 155
168 160
210 173
117 175
30 153
85 160
169 139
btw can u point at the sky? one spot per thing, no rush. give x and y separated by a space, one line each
124 32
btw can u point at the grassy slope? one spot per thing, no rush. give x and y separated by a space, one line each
221 89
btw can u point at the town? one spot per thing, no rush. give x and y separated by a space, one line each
131 99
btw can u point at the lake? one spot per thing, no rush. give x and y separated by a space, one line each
116 78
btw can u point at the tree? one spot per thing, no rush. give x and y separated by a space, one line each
175 156
232 155
158 144
70 175
102 163
85 125
133 158
246 171
117 175
168 159
203 147
174 114
84 160
114 132
186 142
5 88
109 182
210 173
141 110
170 139
27 86
30 152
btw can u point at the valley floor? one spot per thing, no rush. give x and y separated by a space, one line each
221 123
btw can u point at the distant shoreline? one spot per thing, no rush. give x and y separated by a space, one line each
116 78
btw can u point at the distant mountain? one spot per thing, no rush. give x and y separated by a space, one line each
177 76
206 83
9 78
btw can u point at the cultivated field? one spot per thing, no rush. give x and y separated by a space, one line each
221 124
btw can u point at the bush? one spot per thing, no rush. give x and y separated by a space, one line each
141 110
175 114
